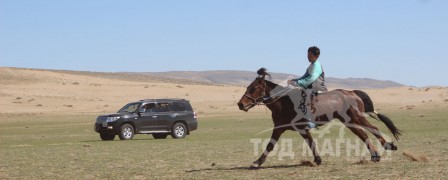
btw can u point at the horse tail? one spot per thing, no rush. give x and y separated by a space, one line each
393 129
368 104
368 107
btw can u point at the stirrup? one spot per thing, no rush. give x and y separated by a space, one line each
311 125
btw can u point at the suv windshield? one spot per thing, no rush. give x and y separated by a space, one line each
132 107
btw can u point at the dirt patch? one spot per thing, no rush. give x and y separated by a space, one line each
415 157
307 163
362 161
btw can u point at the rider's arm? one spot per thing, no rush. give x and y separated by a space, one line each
301 77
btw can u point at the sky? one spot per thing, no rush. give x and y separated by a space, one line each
405 41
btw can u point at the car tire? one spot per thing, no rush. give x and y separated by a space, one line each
126 132
179 130
159 135
107 136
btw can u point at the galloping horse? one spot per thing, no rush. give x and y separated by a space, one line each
350 107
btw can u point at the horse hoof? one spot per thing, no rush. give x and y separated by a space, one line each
390 146
317 160
375 158
254 166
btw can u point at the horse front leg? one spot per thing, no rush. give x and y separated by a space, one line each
309 140
276 133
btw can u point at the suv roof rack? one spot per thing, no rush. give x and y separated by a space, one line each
165 99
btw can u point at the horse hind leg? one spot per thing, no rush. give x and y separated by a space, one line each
375 131
353 125
375 157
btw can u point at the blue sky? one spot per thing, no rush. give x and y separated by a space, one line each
400 40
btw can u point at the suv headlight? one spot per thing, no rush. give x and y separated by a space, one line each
112 119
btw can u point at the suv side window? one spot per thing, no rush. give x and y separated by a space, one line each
187 106
150 107
178 106
163 107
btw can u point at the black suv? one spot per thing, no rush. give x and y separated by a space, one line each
158 117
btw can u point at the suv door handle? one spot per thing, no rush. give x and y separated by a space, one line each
154 116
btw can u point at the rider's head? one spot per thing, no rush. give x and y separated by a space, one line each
313 53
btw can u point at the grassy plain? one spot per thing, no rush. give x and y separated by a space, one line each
46 132
57 146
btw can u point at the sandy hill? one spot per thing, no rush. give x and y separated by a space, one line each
51 91
31 90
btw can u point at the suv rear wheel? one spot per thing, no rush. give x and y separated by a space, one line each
179 130
126 132
107 136
159 135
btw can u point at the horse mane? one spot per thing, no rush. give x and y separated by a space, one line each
271 84
262 72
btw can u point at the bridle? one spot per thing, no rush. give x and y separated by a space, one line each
259 100
263 99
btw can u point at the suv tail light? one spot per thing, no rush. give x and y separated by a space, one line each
195 115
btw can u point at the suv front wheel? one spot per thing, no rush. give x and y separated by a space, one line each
126 132
179 130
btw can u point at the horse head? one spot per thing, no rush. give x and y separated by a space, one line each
255 91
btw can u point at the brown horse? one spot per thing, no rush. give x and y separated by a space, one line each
350 107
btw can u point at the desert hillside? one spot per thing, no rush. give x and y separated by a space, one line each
28 90
49 91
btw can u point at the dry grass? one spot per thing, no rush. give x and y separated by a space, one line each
43 146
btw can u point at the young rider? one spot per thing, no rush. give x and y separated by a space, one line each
312 81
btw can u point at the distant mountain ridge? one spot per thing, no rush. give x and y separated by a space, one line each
224 77
243 78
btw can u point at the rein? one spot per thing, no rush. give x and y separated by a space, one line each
264 98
